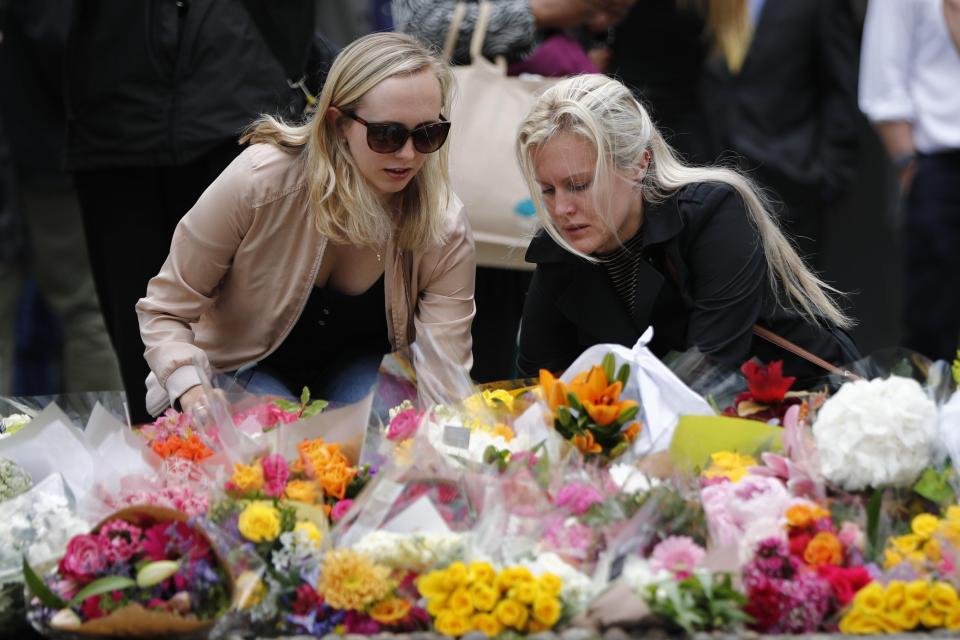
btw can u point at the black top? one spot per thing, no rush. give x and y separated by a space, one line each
719 291
621 265
333 328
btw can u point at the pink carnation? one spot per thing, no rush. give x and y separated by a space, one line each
578 498
84 557
340 509
119 541
267 415
677 554
404 425
275 474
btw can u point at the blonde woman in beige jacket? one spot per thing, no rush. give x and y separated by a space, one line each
323 245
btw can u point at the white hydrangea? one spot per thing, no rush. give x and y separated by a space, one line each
876 433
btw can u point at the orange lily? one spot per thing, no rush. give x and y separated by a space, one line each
601 399
554 391
631 432
586 443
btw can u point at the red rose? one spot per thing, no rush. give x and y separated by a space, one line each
798 543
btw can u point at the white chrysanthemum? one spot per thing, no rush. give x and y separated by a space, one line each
417 551
875 433
578 588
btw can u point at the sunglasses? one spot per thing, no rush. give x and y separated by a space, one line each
389 137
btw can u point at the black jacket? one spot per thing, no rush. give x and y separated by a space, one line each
153 84
721 290
791 112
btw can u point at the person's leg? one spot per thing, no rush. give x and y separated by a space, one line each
127 242
347 379
932 232
63 274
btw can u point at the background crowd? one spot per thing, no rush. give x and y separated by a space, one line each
108 138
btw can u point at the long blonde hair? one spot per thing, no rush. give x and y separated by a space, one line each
346 208
604 113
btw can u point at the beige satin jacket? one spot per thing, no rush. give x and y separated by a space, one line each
242 264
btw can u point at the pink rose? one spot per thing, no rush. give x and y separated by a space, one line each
404 425
84 557
275 474
577 498
340 509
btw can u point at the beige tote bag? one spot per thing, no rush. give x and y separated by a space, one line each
487 109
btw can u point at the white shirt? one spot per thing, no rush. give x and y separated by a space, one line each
910 70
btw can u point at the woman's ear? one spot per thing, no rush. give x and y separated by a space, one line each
332 115
642 167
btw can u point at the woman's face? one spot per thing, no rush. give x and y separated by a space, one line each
407 100
564 169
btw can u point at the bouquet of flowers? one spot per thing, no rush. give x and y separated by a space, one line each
588 411
142 572
13 423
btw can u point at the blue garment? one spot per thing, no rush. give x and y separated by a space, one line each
756 7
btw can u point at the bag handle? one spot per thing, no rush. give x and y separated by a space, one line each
776 339
480 30
453 33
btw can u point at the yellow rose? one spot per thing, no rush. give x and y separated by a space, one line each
870 599
510 612
890 622
525 592
433 585
487 624
943 597
259 522
546 610
482 572
950 530
436 606
953 513
907 544
390 610
247 478
302 491
510 576
918 593
924 525
455 575
905 618
859 622
896 594
952 621
461 603
313 534
450 624
932 618
485 597
335 479
931 548
550 584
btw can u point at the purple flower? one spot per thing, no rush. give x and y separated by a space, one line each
677 554
577 498
275 475
359 623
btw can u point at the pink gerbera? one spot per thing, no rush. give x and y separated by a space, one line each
677 554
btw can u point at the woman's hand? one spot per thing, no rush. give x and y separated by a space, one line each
193 399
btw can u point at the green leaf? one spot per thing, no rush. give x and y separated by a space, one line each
628 415
305 396
936 486
873 522
315 407
39 588
608 364
286 405
624 374
102 585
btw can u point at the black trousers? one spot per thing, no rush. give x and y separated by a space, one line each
931 311
129 215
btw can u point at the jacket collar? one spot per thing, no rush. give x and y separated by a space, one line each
588 298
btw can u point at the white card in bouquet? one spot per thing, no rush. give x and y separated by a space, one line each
51 444
420 517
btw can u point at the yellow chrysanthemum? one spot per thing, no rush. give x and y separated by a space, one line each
525 592
953 513
461 602
456 575
259 522
510 613
924 525
950 530
904 545
932 551
351 580
546 610
891 559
